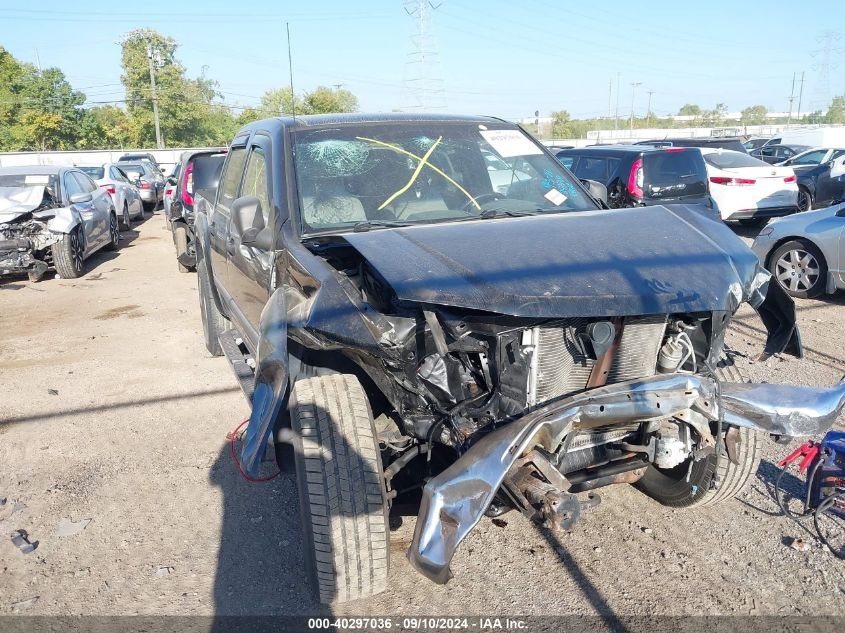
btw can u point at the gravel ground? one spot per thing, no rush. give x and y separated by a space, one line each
112 413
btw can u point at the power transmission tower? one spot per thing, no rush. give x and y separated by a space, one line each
826 54
154 58
423 82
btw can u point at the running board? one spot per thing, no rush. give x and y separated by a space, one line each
242 363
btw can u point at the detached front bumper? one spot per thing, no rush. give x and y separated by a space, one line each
455 500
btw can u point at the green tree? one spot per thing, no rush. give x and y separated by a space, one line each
188 111
279 102
836 112
754 115
562 125
690 109
324 100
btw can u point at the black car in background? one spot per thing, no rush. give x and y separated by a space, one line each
774 154
821 185
197 171
133 157
642 175
714 142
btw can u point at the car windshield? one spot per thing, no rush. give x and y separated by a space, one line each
410 173
732 160
95 172
20 181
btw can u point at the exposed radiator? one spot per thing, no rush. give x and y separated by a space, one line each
560 367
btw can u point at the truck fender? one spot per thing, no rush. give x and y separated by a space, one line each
203 247
65 220
271 380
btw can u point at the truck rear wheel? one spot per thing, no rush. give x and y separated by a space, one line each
180 238
670 486
213 322
341 488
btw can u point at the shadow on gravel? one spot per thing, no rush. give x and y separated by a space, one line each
260 569
792 491
47 415
590 591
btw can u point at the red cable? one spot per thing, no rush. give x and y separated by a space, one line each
254 480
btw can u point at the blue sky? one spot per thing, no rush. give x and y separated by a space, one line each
495 57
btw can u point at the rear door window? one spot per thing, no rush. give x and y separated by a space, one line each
674 174
598 168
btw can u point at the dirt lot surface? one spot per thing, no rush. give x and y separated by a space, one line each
113 456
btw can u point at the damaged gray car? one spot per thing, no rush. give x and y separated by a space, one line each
414 336
52 217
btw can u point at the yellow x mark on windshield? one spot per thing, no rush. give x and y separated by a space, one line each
423 163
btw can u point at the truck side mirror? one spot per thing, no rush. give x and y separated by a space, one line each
248 222
596 189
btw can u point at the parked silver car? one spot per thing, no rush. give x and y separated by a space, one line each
806 252
147 178
124 194
52 216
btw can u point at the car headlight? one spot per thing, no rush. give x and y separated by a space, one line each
767 230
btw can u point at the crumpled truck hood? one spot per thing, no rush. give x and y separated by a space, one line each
644 260
18 201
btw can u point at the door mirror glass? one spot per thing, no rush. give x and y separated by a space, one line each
81 198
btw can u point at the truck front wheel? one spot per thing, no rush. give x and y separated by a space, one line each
691 485
341 488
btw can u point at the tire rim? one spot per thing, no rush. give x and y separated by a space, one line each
803 200
797 270
126 219
114 229
76 253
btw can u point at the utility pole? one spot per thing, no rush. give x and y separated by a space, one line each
634 85
153 63
616 121
609 98
791 99
800 96
38 61
648 112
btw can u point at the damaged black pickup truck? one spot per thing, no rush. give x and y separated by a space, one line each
429 311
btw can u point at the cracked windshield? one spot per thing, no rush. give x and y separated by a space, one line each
389 175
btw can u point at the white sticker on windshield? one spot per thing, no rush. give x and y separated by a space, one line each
37 179
510 143
555 197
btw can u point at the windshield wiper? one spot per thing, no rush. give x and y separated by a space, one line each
366 225
498 212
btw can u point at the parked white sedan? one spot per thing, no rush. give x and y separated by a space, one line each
747 189
124 194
